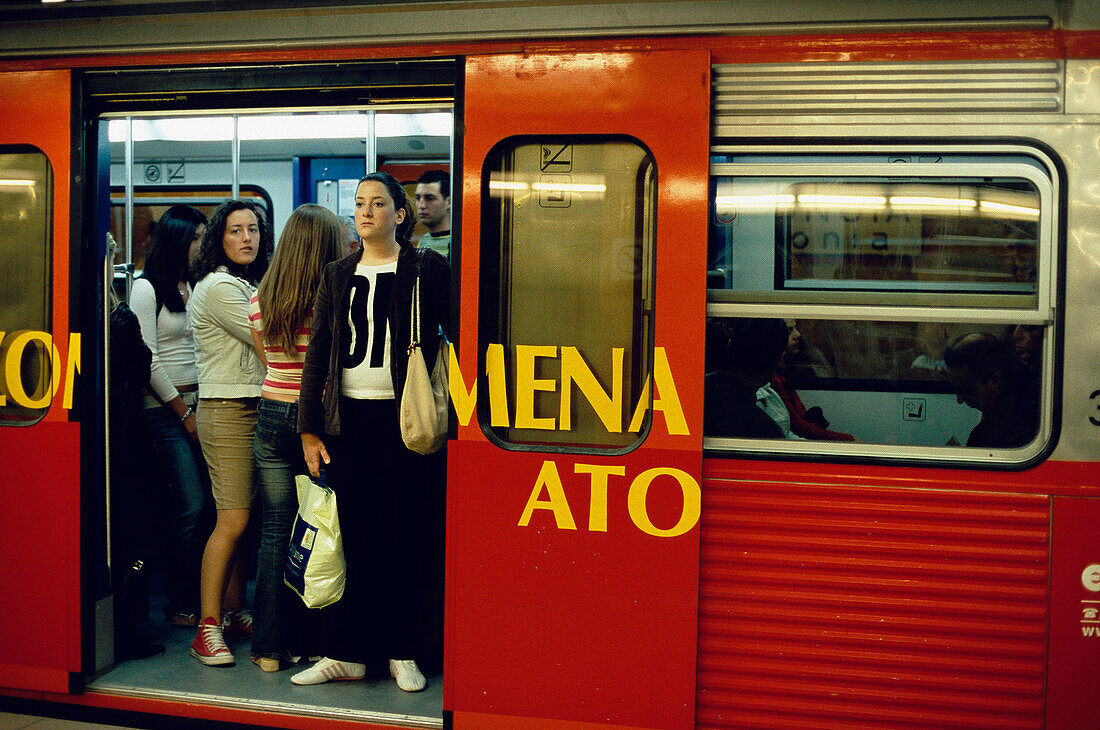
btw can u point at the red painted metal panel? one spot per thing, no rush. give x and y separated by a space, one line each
1074 676
568 625
593 626
39 537
40 526
1059 478
863 607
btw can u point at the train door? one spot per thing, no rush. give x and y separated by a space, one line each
573 484
39 357
279 155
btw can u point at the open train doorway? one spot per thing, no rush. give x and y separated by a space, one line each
149 160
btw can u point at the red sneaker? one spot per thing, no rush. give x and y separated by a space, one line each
209 645
238 622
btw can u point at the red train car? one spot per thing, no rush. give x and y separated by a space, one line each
632 183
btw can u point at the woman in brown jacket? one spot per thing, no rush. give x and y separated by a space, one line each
390 500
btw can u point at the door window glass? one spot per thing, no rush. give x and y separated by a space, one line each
28 362
569 234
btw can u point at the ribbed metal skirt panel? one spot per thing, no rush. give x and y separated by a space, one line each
887 88
830 607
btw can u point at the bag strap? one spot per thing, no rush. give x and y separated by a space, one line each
414 310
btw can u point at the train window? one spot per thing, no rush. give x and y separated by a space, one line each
567 258
26 381
150 203
897 305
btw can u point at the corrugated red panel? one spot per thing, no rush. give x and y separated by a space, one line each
855 607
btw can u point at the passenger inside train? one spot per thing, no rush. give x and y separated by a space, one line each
433 210
987 377
130 536
877 267
807 423
268 164
745 353
159 298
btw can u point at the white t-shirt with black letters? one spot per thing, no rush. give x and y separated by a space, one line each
366 353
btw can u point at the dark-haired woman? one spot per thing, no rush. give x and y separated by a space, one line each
232 258
280 315
389 498
159 299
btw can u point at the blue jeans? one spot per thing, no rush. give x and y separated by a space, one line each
277 612
186 479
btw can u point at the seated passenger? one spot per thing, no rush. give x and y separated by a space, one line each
745 353
1028 339
988 378
804 423
931 339
772 403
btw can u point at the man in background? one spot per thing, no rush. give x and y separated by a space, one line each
433 209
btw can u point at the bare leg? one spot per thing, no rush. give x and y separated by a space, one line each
218 563
234 592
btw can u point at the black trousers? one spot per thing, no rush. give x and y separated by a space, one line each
390 502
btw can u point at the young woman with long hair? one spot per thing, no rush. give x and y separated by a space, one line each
160 300
280 314
232 258
389 498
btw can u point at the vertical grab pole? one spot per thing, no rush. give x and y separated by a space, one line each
108 286
236 154
129 245
371 152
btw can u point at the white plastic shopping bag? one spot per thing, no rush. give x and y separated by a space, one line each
315 560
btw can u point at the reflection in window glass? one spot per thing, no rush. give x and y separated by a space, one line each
906 383
926 293
25 201
151 203
566 264
782 234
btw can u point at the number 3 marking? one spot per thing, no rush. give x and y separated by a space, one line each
1095 421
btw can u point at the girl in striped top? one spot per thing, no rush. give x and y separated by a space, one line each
280 314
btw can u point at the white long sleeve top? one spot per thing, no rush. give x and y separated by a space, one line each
168 336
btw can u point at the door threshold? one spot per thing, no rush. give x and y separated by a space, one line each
269 706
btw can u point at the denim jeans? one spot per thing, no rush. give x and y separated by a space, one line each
278 451
186 479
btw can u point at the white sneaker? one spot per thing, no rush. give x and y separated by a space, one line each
329 670
407 674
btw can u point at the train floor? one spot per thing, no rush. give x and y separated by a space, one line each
175 675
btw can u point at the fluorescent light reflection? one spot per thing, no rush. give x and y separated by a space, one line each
282 126
931 200
753 201
872 202
1008 210
591 187
507 185
926 202
568 187
11 183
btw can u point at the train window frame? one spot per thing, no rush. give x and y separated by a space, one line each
495 287
34 348
979 309
168 195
